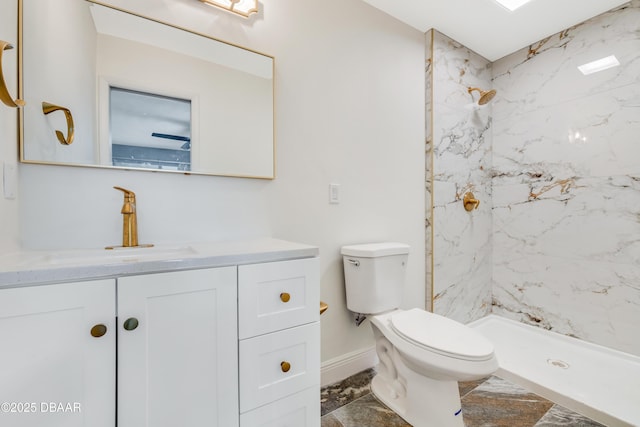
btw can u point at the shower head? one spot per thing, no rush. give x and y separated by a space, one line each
485 95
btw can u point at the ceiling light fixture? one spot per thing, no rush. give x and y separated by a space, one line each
512 5
241 7
599 65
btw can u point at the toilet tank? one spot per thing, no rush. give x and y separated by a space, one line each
374 276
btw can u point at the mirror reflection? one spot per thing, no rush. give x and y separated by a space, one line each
143 94
149 131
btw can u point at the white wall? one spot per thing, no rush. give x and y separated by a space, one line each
349 110
9 219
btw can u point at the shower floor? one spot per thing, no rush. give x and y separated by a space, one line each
595 381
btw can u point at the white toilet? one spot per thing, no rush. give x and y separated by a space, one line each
422 355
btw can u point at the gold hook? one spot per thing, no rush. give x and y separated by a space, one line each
48 108
4 92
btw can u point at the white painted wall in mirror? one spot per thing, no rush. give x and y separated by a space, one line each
219 112
64 75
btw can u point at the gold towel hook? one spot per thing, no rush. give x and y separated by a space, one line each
4 92
48 108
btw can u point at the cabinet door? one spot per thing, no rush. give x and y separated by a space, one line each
53 372
178 360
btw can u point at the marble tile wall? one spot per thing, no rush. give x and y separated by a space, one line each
566 183
428 175
462 139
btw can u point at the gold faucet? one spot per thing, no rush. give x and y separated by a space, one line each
129 218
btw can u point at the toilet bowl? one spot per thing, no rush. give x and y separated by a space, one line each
418 374
436 346
422 355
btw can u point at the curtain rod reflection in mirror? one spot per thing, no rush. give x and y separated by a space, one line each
241 7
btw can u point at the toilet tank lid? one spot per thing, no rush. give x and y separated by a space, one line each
372 250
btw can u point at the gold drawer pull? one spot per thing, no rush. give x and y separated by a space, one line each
285 297
98 330
285 366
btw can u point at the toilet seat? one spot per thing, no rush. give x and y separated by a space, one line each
441 335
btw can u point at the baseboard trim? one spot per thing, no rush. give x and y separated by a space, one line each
344 366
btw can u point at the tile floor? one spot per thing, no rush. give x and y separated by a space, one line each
491 402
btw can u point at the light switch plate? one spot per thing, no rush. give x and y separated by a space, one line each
334 194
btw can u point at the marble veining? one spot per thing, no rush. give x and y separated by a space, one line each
429 171
565 183
490 402
462 138
339 394
558 416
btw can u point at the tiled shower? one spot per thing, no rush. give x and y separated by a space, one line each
555 161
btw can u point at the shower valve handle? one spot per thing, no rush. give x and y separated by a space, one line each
470 202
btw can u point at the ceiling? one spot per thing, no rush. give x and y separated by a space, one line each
489 29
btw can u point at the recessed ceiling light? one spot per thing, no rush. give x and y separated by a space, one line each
599 65
512 4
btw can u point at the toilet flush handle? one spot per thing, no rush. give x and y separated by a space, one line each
354 262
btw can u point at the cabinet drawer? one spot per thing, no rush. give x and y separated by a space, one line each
263 364
299 410
277 295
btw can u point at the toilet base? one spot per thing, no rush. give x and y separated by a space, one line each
434 404
419 400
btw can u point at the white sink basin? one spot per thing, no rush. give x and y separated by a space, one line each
118 255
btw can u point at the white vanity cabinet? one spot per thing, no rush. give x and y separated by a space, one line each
173 352
53 372
177 349
230 339
279 333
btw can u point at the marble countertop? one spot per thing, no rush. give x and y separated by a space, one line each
31 268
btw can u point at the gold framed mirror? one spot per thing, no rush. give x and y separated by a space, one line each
143 94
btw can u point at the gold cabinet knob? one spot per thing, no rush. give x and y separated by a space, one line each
285 297
285 366
98 330
130 324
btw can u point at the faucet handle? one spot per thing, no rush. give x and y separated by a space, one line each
129 206
127 193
